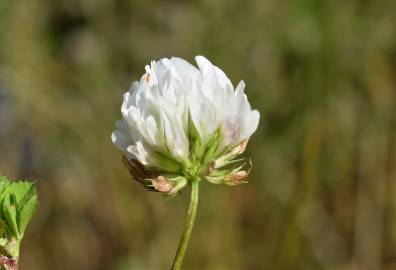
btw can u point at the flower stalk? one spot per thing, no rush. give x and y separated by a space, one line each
191 213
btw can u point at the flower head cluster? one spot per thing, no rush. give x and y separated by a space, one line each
181 123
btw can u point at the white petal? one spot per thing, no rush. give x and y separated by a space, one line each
175 137
120 140
203 117
205 66
240 88
222 78
184 68
139 152
122 126
251 126
134 87
152 130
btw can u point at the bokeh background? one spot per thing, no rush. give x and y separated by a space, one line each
322 194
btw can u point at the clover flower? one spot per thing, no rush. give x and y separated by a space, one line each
181 123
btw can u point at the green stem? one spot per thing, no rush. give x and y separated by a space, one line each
192 211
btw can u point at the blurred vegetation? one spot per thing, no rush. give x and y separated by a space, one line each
322 194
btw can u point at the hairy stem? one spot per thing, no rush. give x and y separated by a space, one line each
192 211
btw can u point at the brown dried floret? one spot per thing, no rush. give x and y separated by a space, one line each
239 177
151 181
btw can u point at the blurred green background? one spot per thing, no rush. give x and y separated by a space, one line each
322 194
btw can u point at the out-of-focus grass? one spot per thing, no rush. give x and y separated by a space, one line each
322 194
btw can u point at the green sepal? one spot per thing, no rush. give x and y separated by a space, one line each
209 155
26 211
166 163
196 147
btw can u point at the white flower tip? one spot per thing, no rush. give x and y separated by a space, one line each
201 58
240 88
204 64
254 122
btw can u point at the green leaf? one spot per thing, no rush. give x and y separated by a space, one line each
23 197
2 227
3 184
20 189
26 212
18 201
31 192
10 214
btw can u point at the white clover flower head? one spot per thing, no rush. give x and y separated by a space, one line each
181 123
